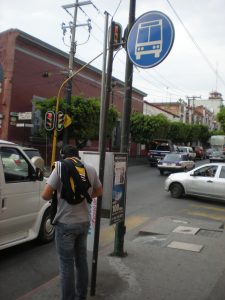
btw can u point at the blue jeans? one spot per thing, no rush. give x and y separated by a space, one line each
71 245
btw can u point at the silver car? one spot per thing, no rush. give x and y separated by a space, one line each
175 162
206 181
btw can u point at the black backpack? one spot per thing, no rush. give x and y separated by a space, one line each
75 182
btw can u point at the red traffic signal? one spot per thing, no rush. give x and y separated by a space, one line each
117 38
49 120
60 121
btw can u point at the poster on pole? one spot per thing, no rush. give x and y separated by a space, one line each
117 212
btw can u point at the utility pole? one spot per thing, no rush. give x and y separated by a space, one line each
124 145
72 26
193 98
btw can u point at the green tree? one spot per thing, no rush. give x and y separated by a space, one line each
85 114
204 134
221 118
144 128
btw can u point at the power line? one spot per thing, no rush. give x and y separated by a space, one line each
196 44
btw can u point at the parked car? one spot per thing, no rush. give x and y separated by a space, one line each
188 150
158 148
175 162
200 152
24 215
217 156
206 181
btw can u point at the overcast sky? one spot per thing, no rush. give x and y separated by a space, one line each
195 65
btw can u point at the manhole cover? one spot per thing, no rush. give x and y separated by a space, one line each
186 230
185 246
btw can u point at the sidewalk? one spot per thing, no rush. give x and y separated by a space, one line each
156 268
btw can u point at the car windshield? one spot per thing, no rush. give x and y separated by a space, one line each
217 153
182 149
173 157
163 148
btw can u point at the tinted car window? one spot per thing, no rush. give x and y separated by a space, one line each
208 171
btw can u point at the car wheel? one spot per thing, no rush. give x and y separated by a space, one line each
161 172
47 230
176 190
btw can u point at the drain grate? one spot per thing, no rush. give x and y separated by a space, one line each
209 233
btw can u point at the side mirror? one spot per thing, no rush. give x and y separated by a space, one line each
38 162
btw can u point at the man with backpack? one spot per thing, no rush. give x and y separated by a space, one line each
75 184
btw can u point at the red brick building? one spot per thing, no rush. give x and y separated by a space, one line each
24 62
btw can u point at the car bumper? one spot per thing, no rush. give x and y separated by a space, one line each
154 160
171 169
167 184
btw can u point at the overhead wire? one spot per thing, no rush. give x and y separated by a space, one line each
196 44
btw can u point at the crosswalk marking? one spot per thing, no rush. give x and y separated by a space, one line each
208 207
207 211
207 215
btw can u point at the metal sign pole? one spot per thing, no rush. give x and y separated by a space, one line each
102 162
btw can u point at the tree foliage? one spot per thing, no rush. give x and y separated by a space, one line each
221 118
85 114
145 128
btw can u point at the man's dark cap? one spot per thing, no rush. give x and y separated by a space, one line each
69 151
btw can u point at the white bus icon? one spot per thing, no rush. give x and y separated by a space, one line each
149 38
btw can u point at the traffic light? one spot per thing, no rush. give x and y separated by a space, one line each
49 120
117 39
60 121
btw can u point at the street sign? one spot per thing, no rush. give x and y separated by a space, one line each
24 125
150 39
25 115
67 120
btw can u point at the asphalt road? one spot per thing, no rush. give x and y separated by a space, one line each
25 267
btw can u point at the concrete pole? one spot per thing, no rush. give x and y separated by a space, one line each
125 131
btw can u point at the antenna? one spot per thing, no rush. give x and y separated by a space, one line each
216 75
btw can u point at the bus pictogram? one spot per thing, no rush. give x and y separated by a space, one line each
149 38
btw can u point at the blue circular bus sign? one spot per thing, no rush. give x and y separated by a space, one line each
150 39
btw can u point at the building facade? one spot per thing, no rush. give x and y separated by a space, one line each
152 110
31 70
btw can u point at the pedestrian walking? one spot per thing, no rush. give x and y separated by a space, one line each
72 223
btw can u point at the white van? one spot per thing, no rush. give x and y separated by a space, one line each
24 215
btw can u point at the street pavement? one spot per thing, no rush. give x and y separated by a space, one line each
169 258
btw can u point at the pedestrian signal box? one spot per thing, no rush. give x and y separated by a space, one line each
49 120
117 39
60 121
